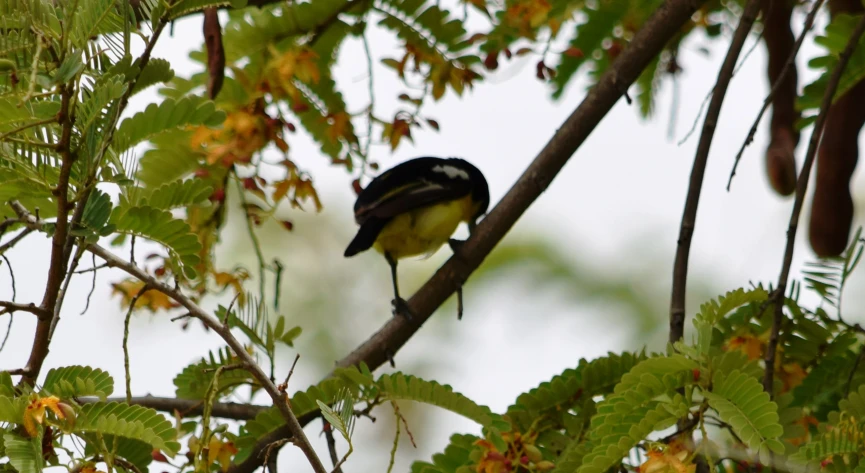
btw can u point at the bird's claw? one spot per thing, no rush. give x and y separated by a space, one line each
399 306
455 244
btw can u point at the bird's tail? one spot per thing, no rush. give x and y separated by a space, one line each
366 236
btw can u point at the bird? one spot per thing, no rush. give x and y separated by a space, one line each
413 208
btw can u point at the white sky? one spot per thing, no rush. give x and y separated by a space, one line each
617 204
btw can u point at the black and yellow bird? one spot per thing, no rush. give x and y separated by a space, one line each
413 209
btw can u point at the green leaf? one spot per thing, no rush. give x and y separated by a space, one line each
740 401
838 441
171 195
166 164
133 422
24 454
157 71
12 409
834 40
588 379
621 423
69 68
164 116
341 417
97 211
456 454
77 381
7 388
185 7
91 109
398 386
302 403
160 226
194 381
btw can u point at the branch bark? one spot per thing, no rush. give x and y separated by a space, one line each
686 231
801 189
190 407
280 399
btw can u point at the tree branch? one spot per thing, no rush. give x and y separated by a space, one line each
791 61
280 399
647 43
801 189
31 307
190 407
57 267
686 231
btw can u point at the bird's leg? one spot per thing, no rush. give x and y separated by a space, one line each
399 305
456 246
389 355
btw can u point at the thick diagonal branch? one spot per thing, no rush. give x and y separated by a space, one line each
695 185
801 189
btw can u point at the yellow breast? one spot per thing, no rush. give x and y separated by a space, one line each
424 230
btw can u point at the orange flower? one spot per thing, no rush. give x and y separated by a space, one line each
34 413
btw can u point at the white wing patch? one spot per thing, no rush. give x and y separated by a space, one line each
452 172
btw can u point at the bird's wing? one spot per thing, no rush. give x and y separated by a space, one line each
416 194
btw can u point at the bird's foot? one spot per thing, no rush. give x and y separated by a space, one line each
460 303
399 306
456 245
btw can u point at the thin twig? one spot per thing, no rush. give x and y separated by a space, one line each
791 60
280 400
132 303
92 284
31 307
20 236
801 189
404 422
331 445
725 74
12 277
853 371
395 443
256 244
284 385
8 331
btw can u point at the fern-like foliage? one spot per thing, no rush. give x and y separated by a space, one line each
185 7
12 409
302 403
713 312
740 401
160 226
170 195
828 276
457 454
588 379
423 25
398 386
133 422
165 116
166 164
248 34
194 381
624 420
834 40
838 441
157 71
76 381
